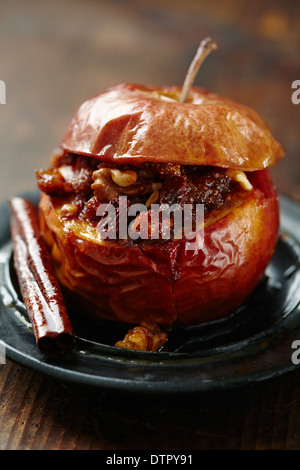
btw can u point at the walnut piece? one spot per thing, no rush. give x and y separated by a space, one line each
145 337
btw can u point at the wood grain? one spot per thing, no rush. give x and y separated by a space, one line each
43 414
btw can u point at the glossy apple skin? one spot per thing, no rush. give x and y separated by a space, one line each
132 124
120 283
165 282
219 278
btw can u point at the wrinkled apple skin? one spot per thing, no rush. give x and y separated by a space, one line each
163 282
132 124
237 248
124 283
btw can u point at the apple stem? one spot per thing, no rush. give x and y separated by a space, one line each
206 46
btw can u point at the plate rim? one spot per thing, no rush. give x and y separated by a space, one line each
52 367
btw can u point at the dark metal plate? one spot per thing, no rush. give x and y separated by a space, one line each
254 344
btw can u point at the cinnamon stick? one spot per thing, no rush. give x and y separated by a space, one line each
39 286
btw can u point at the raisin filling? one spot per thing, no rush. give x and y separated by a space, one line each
80 184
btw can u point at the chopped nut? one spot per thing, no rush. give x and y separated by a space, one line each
69 210
145 337
111 183
241 178
123 178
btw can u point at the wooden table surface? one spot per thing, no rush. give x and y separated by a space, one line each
54 55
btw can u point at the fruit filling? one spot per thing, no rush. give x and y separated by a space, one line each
83 183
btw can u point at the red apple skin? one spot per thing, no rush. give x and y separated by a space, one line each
164 282
133 124
121 283
237 248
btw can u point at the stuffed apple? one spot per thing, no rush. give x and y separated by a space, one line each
146 145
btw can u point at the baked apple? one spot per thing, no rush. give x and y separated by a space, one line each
146 146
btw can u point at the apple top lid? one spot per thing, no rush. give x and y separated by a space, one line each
133 124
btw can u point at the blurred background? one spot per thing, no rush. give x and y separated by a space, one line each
54 55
